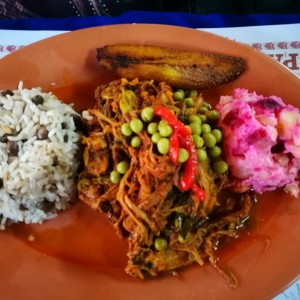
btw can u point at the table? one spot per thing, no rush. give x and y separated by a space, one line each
275 35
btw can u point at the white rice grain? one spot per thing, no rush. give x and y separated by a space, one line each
42 170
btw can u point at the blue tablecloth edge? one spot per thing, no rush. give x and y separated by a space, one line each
146 17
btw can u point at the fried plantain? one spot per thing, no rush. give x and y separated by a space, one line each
179 68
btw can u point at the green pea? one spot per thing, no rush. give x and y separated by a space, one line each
160 244
179 94
194 119
220 166
136 125
147 114
189 102
198 141
152 128
213 115
218 134
203 118
165 130
163 146
155 137
202 155
205 128
126 130
136 142
214 151
196 128
203 110
183 155
209 140
122 167
207 105
114 177
193 93
162 122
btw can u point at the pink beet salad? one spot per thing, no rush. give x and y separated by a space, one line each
261 141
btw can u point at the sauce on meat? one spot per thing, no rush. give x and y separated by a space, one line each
83 236
262 211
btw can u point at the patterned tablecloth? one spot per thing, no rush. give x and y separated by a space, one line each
282 42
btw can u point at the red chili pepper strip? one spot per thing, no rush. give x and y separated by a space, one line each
174 148
165 113
191 165
182 137
200 193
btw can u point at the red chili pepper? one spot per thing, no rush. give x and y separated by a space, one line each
200 193
174 148
182 137
191 165
166 113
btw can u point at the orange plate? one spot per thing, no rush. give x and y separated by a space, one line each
77 255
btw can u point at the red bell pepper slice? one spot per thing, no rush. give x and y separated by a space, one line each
182 137
200 193
191 165
174 148
165 113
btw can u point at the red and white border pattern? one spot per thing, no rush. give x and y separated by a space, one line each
276 45
6 49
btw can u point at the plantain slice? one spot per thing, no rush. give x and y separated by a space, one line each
179 68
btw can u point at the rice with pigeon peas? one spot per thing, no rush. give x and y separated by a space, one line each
39 155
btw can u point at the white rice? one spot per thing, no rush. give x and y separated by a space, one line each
38 180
